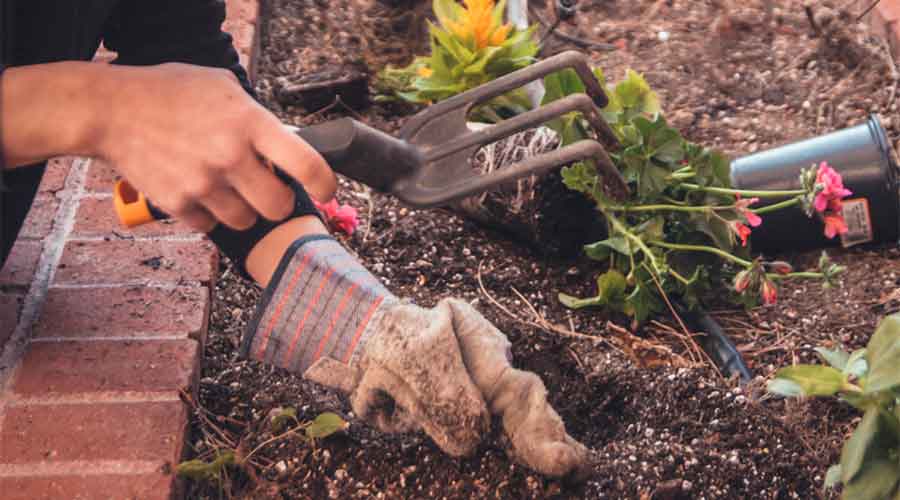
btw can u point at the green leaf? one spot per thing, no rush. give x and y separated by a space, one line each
877 481
610 291
837 358
855 448
447 11
634 92
652 180
579 177
202 471
883 356
560 84
857 366
815 380
284 418
833 476
784 387
325 425
600 250
718 230
643 300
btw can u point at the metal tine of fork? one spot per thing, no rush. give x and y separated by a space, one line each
518 123
429 196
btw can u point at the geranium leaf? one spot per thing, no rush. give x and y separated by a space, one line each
833 476
883 356
815 380
784 387
837 358
855 448
876 481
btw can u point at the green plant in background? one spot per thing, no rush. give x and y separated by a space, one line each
470 46
682 220
869 380
215 470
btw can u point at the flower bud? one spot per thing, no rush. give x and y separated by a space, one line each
769 292
742 280
780 267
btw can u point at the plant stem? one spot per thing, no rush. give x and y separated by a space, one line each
777 206
618 226
679 277
743 192
651 208
805 274
703 248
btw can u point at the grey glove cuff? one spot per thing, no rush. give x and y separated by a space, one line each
320 302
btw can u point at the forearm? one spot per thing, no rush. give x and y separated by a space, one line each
54 109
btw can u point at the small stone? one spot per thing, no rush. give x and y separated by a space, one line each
663 36
281 467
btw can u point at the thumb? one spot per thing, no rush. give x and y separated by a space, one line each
332 373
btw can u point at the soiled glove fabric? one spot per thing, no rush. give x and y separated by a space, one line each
444 369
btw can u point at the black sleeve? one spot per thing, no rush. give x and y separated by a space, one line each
187 31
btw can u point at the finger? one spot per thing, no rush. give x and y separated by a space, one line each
262 189
199 219
293 155
229 208
538 434
485 350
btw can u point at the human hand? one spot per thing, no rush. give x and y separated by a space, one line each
191 140
428 362
410 375
443 369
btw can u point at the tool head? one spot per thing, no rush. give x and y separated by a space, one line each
442 135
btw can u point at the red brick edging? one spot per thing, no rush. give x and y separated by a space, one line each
100 329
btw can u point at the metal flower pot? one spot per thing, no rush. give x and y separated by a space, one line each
863 157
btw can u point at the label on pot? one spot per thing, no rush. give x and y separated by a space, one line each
859 222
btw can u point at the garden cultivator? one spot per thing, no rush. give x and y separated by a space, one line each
429 164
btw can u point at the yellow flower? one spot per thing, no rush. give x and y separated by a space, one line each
424 71
477 23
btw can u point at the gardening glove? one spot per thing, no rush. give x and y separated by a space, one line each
325 316
536 432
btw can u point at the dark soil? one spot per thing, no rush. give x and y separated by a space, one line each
660 421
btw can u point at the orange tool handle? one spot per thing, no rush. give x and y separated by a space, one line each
132 207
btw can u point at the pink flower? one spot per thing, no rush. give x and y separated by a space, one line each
832 187
769 292
343 217
743 208
741 230
834 225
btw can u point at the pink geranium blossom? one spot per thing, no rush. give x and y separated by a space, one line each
832 187
341 217
743 208
834 225
742 231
